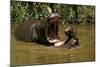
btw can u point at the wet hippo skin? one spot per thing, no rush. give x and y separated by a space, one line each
43 31
71 40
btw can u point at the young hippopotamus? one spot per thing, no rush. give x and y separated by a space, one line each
71 40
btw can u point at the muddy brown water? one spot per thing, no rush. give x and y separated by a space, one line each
27 53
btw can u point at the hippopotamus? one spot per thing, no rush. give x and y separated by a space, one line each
71 40
43 31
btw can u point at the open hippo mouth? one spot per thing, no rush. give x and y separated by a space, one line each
53 32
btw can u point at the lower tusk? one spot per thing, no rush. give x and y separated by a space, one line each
59 43
53 40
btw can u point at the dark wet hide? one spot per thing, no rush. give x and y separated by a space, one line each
70 42
43 31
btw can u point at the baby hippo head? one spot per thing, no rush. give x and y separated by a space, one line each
70 32
72 40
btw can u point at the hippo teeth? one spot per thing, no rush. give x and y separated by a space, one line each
58 44
53 40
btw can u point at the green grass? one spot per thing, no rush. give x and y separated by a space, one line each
23 53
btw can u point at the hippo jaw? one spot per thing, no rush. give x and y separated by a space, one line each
53 26
53 33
